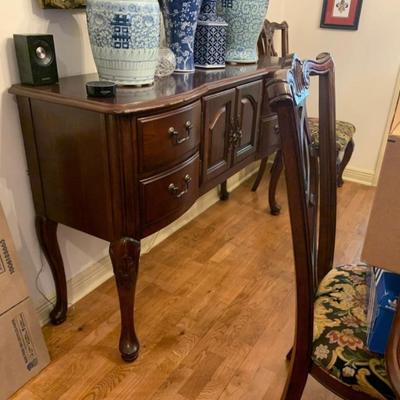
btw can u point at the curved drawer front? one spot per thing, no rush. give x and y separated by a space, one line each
164 197
168 138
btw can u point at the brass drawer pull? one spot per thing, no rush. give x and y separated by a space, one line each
174 190
175 134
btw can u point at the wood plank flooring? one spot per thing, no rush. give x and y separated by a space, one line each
214 311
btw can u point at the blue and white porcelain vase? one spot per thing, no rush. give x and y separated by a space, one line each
125 39
245 20
210 39
180 20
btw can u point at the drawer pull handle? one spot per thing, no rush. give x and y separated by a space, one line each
174 190
237 136
231 139
175 134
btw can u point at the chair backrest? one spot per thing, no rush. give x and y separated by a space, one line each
266 40
310 178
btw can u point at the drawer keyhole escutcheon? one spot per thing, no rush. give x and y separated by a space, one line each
174 190
175 134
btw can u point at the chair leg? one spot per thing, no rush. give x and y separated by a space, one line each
346 158
260 174
289 354
276 170
297 378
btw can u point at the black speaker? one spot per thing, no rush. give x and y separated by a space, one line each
36 58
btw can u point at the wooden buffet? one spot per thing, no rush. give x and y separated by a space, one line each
121 169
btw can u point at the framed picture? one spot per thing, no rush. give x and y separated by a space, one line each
62 4
341 14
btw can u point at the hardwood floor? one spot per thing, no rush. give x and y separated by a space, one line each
214 311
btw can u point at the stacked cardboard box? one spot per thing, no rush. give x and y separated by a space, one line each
23 352
382 240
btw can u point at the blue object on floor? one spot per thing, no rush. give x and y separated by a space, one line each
384 294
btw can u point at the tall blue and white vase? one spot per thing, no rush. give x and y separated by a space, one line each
180 20
125 39
245 20
210 39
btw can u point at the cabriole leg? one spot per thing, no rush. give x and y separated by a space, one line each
224 194
346 158
276 171
260 174
47 235
125 255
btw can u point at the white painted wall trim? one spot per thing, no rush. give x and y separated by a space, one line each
86 281
365 177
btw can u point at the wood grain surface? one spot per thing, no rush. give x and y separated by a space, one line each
173 90
215 306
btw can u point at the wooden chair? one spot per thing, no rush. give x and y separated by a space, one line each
330 333
344 130
266 46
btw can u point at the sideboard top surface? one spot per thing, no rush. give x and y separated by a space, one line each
165 92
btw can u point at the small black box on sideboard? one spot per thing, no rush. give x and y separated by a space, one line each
36 57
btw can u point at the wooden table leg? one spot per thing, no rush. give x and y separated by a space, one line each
260 174
125 255
224 194
47 235
276 171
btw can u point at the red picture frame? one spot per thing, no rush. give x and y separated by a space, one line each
341 14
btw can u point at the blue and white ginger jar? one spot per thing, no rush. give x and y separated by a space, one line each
210 39
125 39
180 20
245 20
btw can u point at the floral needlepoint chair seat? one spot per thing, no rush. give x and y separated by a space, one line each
340 332
344 132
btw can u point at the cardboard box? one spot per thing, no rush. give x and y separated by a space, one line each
12 286
23 351
383 301
382 241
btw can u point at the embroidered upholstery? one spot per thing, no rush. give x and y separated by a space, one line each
344 132
340 332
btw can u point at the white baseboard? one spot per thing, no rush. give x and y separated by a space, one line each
86 281
79 286
365 177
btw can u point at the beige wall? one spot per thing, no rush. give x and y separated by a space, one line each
362 58
74 57
367 63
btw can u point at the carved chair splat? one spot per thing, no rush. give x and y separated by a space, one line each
322 318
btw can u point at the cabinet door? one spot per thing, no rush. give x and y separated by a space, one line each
249 97
218 119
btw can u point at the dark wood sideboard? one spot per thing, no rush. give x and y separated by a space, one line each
121 169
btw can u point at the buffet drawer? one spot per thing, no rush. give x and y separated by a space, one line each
164 197
168 138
